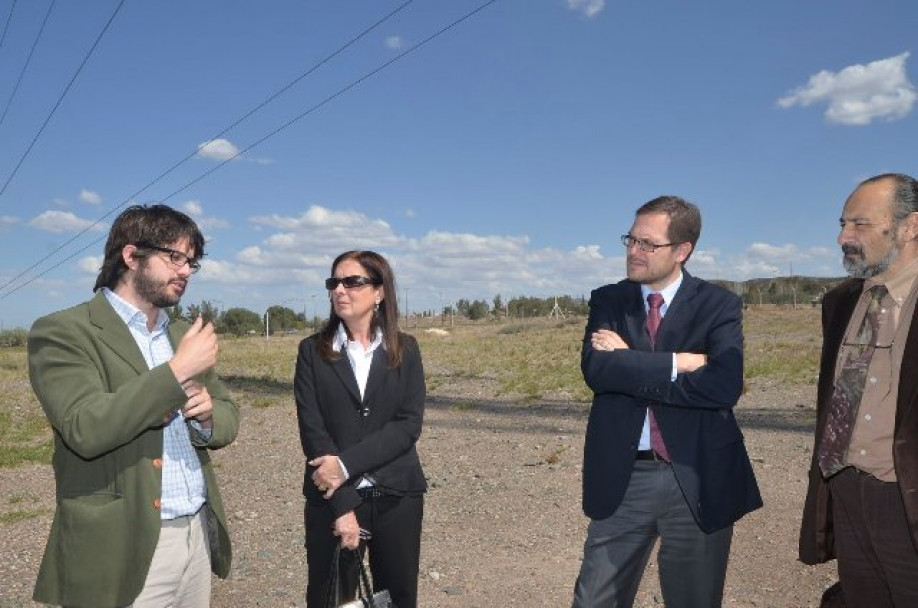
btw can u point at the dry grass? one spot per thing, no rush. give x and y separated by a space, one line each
523 361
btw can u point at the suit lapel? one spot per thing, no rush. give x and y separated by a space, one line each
114 333
378 369
635 319
344 371
672 324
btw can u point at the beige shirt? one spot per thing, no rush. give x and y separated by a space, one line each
871 444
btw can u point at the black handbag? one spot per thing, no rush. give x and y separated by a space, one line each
365 596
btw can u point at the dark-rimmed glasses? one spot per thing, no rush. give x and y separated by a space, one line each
643 244
350 282
176 258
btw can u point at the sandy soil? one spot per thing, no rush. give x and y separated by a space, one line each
503 524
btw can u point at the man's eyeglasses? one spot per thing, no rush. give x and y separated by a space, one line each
176 258
643 244
350 282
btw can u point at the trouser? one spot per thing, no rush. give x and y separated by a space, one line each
394 548
180 574
693 564
877 560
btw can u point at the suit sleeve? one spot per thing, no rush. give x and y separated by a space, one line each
400 433
314 436
66 373
647 375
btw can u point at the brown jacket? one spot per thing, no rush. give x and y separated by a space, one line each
817 537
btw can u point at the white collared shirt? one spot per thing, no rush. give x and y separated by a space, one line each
183 490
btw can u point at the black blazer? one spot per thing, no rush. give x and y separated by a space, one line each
694 413
382 443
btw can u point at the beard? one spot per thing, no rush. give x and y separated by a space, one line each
858 267
156 291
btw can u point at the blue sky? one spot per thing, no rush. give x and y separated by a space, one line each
505 156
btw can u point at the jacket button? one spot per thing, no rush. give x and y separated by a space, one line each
157 504
158 463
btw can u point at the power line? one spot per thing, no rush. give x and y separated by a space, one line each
28 60
61 98
257 142
182 161
6 27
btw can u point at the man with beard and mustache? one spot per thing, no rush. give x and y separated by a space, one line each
135 405
862 502
663 457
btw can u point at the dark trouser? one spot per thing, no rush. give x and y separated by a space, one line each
394 549
693 564
877 561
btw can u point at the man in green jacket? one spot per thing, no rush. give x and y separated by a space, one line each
135 406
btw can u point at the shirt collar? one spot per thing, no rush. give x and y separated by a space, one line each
131 315
900 285
341 340
668 292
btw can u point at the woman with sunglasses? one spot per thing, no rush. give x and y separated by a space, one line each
359 388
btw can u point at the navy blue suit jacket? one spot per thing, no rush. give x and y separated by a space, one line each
694 412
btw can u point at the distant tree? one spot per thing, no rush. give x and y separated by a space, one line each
478 310
193 312
282 319
463 306
241 321
210 312
497 306
175 313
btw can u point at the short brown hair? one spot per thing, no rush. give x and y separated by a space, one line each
684 219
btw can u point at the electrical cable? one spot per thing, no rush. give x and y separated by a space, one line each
28 60
61 98
257 142
6 27
191 155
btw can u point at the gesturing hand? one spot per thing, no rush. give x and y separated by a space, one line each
197 351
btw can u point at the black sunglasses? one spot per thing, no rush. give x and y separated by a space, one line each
349 282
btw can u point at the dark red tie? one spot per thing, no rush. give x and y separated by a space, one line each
655 301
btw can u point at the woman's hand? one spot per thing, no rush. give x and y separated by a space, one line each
328 475
348 530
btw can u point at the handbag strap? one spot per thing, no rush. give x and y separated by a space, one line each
364 588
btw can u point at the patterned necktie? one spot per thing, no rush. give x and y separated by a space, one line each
849 388
655 301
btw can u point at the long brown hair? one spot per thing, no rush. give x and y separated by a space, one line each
385 318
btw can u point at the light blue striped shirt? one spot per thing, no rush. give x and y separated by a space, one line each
184 490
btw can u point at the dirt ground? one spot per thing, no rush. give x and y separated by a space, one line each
503 525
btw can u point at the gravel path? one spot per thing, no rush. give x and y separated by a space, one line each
503 525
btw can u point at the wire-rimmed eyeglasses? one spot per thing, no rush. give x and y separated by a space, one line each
643 244
176 258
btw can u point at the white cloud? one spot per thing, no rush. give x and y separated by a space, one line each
204 222
61 202
217 149
89 197
8 220
394 42
859 94
63 221
321 229
91 264
589 8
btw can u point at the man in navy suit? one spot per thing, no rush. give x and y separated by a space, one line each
664 457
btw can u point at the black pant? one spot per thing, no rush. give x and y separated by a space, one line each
394 523
877 561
